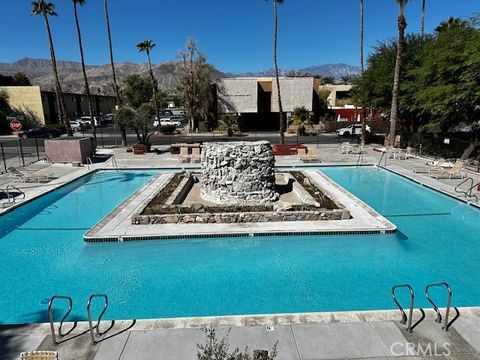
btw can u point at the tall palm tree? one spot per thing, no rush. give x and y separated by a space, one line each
275 41
47 9
402 25
85 78
118 99
362 66
147 46
422 21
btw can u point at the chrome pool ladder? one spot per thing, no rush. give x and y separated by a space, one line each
97 333
51 320
407 319
446 323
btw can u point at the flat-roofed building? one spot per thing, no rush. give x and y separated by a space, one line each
43 104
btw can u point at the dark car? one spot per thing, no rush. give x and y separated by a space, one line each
42 132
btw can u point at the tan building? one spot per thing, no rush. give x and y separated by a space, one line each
43 104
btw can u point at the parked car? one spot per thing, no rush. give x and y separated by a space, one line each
108 118
99 121
354 129
77 125
42 132
169 121
87 124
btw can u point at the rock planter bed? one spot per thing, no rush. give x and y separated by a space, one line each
167 208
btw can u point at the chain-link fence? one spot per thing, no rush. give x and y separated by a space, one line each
20 152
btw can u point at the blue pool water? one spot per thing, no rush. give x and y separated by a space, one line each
42 253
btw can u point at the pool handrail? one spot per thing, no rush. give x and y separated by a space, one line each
50 318
446 323
407 319
89 316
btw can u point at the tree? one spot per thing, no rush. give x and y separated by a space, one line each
137 90
402 25
84 71
275 62
362 67
422 20
195 86
147 46
46 9
118 99
124 118
17 79
136 119
4 112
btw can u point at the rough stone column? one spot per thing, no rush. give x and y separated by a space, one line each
238 173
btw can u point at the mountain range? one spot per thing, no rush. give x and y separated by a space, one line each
71 78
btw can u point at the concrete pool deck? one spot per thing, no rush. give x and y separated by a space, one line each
331 336
299 336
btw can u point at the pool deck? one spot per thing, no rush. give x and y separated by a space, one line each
376 335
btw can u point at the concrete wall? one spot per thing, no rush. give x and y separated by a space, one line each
67 150
295 92
27 99
237 95
333 89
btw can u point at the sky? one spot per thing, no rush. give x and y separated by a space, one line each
236 36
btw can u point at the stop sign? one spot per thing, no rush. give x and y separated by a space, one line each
15 125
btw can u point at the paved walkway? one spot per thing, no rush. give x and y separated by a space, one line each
333 337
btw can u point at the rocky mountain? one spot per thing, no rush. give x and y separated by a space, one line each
100 78
332 70
71 78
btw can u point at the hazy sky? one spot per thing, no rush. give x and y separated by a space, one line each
236 36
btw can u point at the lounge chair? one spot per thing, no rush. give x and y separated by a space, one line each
195 154
184 156
431 166
39 355
302 154
356 149
312 155
28 177
455 172
344 148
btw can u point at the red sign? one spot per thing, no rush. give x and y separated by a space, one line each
15 125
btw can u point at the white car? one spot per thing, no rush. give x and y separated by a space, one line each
170 121
76 126
354 129
97 119
87 124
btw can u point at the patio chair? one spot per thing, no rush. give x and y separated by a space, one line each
184 156
27 177
195 155
302 154
39 355
344 147
457 171
430 167
356 149
312 155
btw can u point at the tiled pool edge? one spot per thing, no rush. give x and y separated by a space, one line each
311 318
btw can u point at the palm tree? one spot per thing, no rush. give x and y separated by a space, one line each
147 46
402 25
47 9
85 78
118 99
362 66
275 38
422 21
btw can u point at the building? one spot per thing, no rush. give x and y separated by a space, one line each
255 99
43 105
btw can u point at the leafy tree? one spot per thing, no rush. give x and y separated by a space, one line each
4 111
124 118
84 71
142 120
17 79
46 9
195 86
118 99
137 90
402 25
147 46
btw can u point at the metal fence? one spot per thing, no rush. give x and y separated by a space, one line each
20 152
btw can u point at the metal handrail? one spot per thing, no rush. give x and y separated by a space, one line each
16 189
465 192
89 315
381 158
446 324
407 319
360 157
477 185
114 163
89 162
50 317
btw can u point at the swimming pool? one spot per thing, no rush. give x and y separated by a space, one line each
42 253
